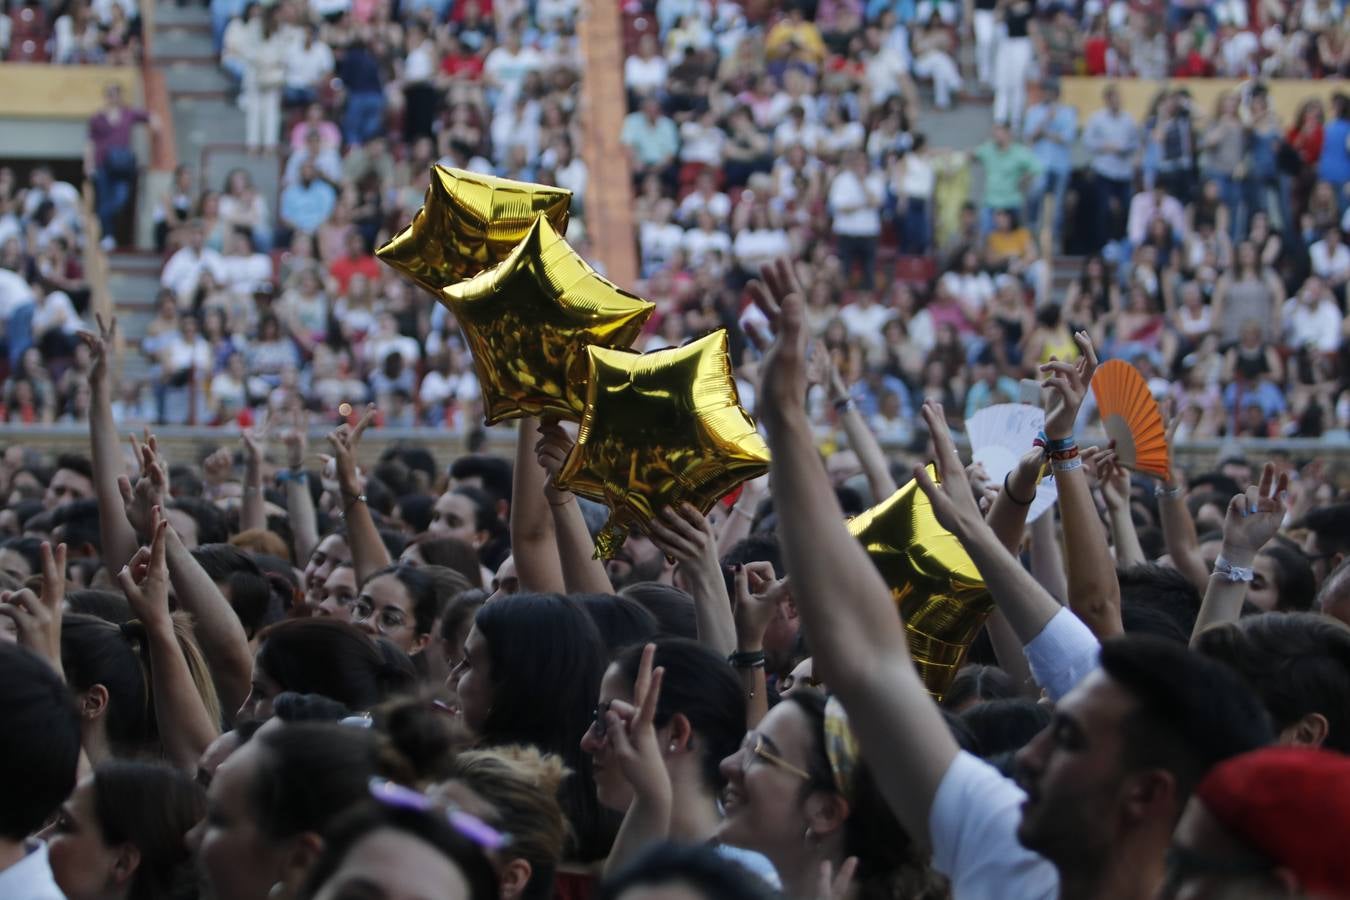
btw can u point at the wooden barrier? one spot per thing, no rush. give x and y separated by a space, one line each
41 91
1136 96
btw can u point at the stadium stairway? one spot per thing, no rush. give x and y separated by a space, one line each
208 123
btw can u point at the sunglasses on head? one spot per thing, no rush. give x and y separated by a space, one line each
395 795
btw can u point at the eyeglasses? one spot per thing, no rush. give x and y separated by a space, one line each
789 681
388 621
475 829
753 747
1184 864
599 727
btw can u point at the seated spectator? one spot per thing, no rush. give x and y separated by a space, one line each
183 272
307 202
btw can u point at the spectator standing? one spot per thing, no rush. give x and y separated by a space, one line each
1050 129
1173 137
359 70
110 157
1009 168
912 183
983 20
1333 166
1251 294
1224 160
1111 137
264 77
1015 61
855 199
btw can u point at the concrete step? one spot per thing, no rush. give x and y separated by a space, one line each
195 78
135 262
183 44
219 160
169 15
133 292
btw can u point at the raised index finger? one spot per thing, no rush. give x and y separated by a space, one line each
1267 479
362 425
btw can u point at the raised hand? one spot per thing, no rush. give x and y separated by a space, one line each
145 579
218 467
631 732
99 347
953 501
1112 477
758 595
152 487
684 535
552 448
1065 387
255 444
836 887
783 368
37 617
344 440
1255 516
296 438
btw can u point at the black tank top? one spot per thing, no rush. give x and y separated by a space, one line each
1017 18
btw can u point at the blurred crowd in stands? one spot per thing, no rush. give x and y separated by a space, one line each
1210 242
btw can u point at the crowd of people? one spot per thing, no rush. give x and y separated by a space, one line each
258 675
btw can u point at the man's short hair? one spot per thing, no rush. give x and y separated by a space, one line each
1158 600
211 527
40 742
79 523
1191 713
75 463
1297 663
1331 524
493 471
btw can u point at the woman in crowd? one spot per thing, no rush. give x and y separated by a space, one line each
122 835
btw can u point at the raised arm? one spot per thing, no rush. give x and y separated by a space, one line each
253 508
861 438
1114 481
758 597
215 624
37 617
369 554
533 544
299 501
116 535
1047 561
858 641
630 729
741 516
1008 515
685 536
582 572
186 728
1094 592
1253 518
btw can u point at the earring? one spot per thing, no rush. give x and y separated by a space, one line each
672 747
809 837
277 891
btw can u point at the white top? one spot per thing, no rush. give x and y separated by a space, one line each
31 877
698 243
55 311
244 273
1318 326
645 75
184 269
719 204
420 64
865 322
1327 264
973 826
658 242
1063 654
788 134
754 247
307 66
856 204
700 144
917 178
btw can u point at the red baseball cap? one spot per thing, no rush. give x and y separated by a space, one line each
1292 805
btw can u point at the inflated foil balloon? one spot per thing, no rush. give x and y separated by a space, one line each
529 320
468 223
661 429
939 592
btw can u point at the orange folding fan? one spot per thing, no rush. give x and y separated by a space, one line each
1131 417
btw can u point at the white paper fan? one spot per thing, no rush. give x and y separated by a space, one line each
999 436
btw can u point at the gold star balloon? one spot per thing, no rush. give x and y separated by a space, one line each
529 320
468 223
661 429
937 589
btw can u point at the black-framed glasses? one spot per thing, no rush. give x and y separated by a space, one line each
599 727
393 794
1184 864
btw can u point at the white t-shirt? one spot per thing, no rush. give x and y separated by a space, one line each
865 322
184 269
509 69
719 205
645 75
1318 326
699 144
658 242
698 243
55 311
973 828
307 66
756 247
856 204
31 877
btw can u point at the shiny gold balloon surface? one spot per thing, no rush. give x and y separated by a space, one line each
529 320
939 592
468 223
661 429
